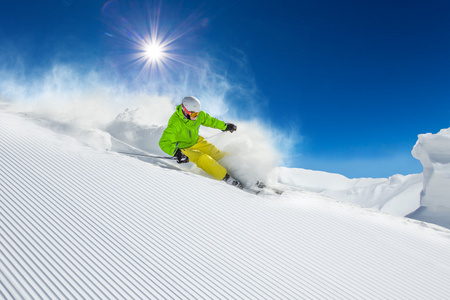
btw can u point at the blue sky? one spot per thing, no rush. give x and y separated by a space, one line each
354 81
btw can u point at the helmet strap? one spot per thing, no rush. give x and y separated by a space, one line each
186 112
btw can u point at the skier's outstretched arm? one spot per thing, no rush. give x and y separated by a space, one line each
216 123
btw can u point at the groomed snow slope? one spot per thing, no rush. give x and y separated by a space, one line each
81 223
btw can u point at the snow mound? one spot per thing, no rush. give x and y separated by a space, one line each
433 151
398 195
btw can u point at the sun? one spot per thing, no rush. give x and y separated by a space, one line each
153 55
154 52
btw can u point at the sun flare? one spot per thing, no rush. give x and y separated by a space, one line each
149 40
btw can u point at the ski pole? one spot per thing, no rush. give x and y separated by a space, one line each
146 155
142 155
214 135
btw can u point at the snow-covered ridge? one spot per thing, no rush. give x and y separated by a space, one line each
77 222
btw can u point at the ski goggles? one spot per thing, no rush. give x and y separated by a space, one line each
192 114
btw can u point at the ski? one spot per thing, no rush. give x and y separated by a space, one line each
262 186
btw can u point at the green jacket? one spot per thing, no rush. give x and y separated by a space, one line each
183 133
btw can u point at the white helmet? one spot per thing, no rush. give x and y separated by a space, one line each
191 107
192 104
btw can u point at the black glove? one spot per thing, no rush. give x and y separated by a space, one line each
181 158
230 127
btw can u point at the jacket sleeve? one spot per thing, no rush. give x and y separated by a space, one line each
213 122
168 142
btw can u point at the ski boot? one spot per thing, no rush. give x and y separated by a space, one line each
231 181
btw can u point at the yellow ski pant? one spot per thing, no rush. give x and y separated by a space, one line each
205 155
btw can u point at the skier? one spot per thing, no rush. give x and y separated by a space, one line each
181 139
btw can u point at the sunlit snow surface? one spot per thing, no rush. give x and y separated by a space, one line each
80 222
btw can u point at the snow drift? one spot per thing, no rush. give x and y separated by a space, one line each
433 151
398 195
